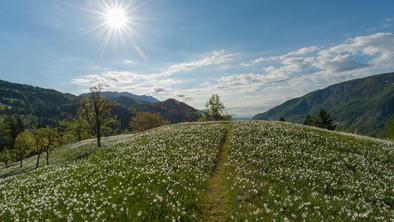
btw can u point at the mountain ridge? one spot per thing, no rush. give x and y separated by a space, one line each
114 95
42 106
361 105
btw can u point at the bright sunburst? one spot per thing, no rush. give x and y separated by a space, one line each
119 23
116 18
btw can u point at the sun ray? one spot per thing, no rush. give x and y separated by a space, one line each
118 21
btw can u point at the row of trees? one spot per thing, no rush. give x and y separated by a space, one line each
30 142
94 120
95 112
10 128
321 120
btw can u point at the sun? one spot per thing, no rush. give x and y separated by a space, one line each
116 18
119 26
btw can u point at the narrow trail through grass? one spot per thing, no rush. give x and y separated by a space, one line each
216 202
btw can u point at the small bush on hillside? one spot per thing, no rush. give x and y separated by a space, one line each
144 121
214 110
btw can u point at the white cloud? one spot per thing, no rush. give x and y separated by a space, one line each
215 58
304 51
355 53
128 61
150 83
298 52
256 61
303 70
264 81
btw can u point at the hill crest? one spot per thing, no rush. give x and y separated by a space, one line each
362 105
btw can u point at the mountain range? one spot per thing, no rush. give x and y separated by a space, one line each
115 95
40 106
362 105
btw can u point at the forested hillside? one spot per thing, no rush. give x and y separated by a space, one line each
46 107
38 105
362 105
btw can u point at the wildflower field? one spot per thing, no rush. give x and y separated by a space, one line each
287 172
158 175
255 171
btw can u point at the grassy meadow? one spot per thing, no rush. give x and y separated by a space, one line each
246 171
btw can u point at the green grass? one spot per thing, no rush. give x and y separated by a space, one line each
154 176
282 171
64 154
216 199
262 171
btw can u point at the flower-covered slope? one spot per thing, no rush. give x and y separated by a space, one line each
287 172
272 171
157 175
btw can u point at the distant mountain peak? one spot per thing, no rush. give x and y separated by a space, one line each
139 98
49 106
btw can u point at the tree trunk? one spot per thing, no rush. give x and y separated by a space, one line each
21 162
47 157
98 123
99 139
6 163
38 160
79 135
98 131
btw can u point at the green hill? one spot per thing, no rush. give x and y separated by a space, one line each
65 154
362 105
47 106
41 106
219 171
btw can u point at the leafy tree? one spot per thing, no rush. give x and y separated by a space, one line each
214 109
13 127
47 139
42 142
309 121
389 129
68 138
24 142
53 141
111 126
144 121
78 128
6 156
282 119
3 135
324 121
203 118
96 111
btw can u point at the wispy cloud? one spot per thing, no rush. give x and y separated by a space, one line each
215 58
128 61
155 82
260 83
298 52
355 53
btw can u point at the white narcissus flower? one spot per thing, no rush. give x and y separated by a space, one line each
128 175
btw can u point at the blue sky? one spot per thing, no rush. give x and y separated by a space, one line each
254 54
